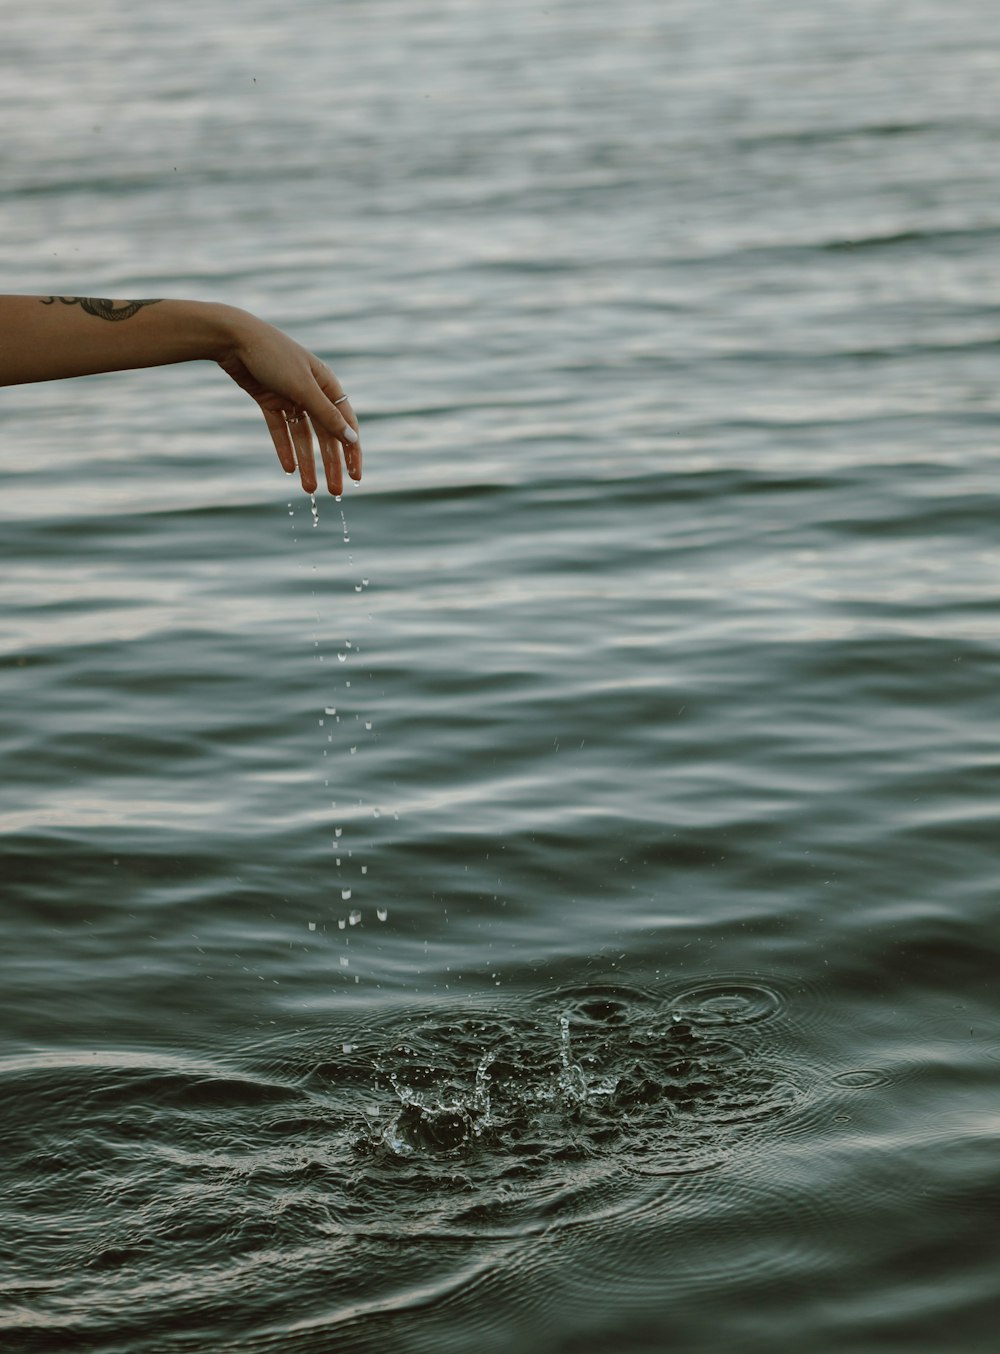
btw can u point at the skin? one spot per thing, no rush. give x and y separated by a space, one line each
48 338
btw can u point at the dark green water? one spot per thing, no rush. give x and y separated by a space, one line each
549 903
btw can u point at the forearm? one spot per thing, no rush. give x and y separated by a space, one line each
46 338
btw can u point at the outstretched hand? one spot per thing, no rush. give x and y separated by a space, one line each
298 395
49 338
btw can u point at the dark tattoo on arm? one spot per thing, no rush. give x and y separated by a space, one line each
96 305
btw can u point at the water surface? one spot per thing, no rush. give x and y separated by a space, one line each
548 905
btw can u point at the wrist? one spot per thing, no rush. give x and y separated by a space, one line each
219 331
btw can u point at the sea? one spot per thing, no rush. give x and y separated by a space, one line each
546 900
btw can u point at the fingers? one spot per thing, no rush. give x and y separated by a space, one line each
322 407
301 434
330 450
281 437
352 450
332 412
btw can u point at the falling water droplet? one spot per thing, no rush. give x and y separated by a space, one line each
312 926
368 723
338 831
376 813
342 657
342 924
353 751
354 918
329 709
364 869
315 510
382 913
345 894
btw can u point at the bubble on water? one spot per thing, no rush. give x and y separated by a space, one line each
382 913
312 926
348 1048
354 918
345 894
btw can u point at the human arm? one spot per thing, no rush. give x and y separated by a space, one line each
47 338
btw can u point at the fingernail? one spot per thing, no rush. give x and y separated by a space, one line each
349 435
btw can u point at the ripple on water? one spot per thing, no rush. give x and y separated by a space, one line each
863 1078
727 1003
468 1130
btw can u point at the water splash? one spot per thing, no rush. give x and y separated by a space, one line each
604 1073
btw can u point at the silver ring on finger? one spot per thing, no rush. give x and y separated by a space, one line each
341 399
